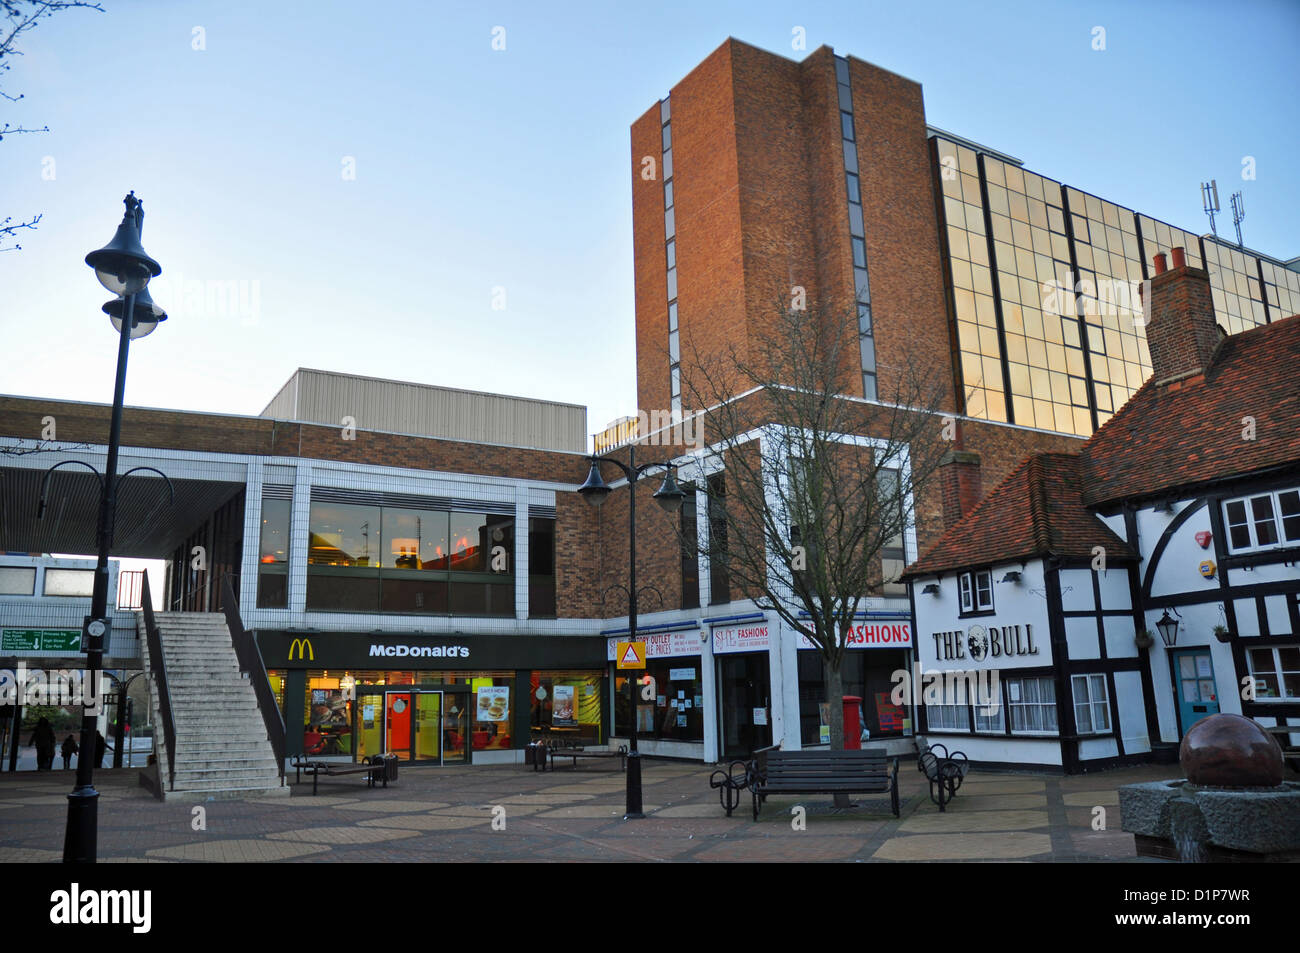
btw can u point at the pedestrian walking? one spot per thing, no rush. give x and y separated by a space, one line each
43 741
69 749
100 747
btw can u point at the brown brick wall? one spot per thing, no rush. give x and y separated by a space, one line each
909 313
649 264
710 254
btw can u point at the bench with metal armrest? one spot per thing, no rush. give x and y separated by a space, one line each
944 772
865 771
378 768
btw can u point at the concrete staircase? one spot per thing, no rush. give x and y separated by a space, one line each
222 750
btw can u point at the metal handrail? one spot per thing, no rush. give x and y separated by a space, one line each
158 669
250 663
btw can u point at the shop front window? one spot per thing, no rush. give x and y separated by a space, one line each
492 704
566 704
864 673
669 700
327 725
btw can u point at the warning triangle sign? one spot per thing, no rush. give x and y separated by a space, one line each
629 655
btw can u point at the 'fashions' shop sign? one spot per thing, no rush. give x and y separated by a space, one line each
980 643
873 635
742 638
665 645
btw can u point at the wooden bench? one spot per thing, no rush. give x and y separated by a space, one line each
867 771
377 768
944 772
575 753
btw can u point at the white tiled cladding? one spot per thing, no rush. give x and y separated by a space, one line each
222 750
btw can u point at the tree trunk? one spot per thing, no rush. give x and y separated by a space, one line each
835 700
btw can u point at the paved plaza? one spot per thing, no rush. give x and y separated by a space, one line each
447 814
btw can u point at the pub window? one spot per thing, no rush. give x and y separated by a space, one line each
976 590
1263 521
1091 704
1032 702
947 717
1276 672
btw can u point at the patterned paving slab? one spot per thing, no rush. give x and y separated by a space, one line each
545 798
989 802
238 851
430 822
485 810
389 807
342 835
1008 846
956 821
1090 798
975 786
299 801
592 811
29 855
697 810
796 847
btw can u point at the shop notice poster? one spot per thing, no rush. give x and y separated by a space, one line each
562 710
494 703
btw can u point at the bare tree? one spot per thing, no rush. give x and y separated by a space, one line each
818 489
20 16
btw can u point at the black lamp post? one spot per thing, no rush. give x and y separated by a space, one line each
123 267
669 496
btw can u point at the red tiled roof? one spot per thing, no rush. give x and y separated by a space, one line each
1037 511
1190 432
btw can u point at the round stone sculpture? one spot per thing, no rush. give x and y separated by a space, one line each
1231 751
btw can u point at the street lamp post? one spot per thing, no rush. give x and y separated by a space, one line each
669 496
124 269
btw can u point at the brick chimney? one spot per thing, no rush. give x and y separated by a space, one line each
1181 334
959 481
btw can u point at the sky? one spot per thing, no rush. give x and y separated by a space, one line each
372 188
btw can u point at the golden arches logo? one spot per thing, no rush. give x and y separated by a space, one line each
303 648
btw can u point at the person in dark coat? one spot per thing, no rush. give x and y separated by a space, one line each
100 747
69 749
43 741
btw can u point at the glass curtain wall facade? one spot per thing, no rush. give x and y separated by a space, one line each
367 558
1043 286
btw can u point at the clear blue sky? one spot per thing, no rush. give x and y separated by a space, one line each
478 169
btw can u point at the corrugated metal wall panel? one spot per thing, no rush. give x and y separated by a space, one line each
437 411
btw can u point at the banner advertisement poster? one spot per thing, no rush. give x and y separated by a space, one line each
562 709
645 718
328 707
889 715
494 703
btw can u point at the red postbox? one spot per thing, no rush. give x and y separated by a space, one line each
852 725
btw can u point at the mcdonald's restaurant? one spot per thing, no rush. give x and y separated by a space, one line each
435 699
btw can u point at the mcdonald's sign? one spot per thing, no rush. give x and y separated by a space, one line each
303 648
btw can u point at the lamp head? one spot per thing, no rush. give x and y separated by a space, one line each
595 490
146 315
122 266
670 495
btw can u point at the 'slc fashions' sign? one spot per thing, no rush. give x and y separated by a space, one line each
979 643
